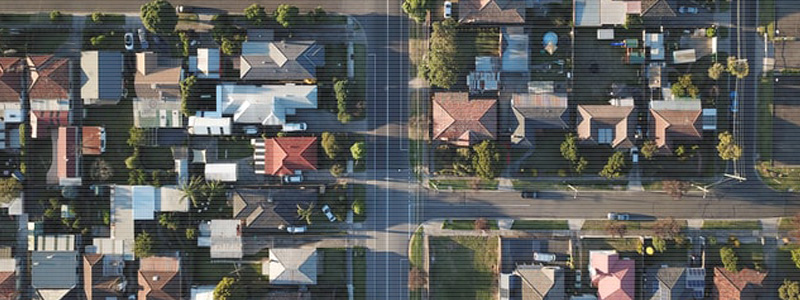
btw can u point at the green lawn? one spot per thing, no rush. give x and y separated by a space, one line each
466 224
335 68
360 194
46 41
228 148
765 115
360 273
523 185
546 159
740 225
415 258
358 107
160 158
203 270
334 266
786 267
464 267
778 178
117 120
464 184
597 65
630 225
540 225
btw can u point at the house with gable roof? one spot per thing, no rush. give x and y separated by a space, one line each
675 283
49 78
491 12
675 122
280 60
614 277
264 104
291 266
281 156
160 277
540 282
270 210
101 77
462 121
611 125
8 278
747 284
543 108
103 276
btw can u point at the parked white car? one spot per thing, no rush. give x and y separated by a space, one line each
128 39
618 216
292 127
448 9
296 178
544 257
296 229
328 214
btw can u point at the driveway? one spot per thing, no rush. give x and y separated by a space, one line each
320 120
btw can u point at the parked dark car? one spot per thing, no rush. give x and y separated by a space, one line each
530 194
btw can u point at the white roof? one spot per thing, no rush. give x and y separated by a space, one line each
203 292
225 172
605 34
122 218
266 104
226 240
144 202
595 13
8 265
59 242
684 56
208 63
209 126
292 266
170 199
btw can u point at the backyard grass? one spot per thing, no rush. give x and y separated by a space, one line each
466 224
117 120
464 184
335 68
732 224
540 225
415 258
597 65
159 158
765 115
228 148
464 267
750 256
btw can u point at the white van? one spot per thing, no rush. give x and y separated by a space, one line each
544 257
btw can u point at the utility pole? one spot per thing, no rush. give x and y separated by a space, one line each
702 188
737 177
574 190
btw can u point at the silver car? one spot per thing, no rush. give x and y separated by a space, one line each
328 214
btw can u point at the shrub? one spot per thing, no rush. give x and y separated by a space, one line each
97 17
143 246
337 170
330 145
97 40
486 160
729 259
55 16
256 14
286 15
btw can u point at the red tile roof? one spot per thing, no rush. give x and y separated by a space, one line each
159 278
8 285
44 121
614 276
462 121
10 78
68 156
676 125
49 77
284 155
736 286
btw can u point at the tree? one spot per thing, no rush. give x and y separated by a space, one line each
136 177
143 246
675 188
9 189
616 228
101 170
416 279
330 145
485 160
318 14
439 65
358 206
481 224
187 89
614 165
166 221
649 148
132 162
727 147
729 259
135 137
305 213
667 228
185 43
358 150
97 40
97 17
684 87
789 290
715 71
192 190
659 244
337 170
191 233
796 257
416 9
569 148
286 15
342 90
581 165
224 289
256 14
158 16
738 67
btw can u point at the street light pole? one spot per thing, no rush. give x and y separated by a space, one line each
574 190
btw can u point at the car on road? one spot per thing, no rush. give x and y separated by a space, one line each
448 9
292 127
618 216
296 178
635 155
687 10
143 38
328 214
530 194
128 41
544 257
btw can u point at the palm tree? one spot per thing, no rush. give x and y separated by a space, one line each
305 213
192 190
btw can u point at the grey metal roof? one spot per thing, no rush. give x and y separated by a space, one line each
293 266
284 60
54 269
101 75
541 282
269 209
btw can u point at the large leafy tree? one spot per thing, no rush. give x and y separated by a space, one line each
330 145
358 150
715 71
738 67
187 93
486 159
305 213
727 147
227 289
286 15
684 87
729 259
569 147
614 166
440 65
143 246
789 290
9 189
415 9
256 14
159 16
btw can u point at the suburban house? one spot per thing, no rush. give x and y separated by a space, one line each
657 9
538 282
295 266
103 276
160 278
611 125
44 122
70 153
281 156
613 276
101 77
462 121
673 123
206 64
158 93
514 50
11 72
747 284
264 104
270 210
486 76
49 79
8 278
675 283
130 203
209 126
54 266
491 12
224 237
597 13
223 172
280 60
543 108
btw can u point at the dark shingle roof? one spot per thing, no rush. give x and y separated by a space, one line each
284 60
269 209
657 8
